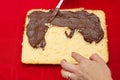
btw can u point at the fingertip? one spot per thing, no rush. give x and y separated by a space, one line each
74 54
96 57
63 61
67 66
78 57
93 56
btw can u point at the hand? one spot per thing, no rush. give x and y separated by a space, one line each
93 68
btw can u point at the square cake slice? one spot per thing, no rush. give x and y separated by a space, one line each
58 40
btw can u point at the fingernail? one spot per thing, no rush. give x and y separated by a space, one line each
74 53
64 60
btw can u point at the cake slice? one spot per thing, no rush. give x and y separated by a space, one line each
59 40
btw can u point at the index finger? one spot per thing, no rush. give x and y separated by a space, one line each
78 57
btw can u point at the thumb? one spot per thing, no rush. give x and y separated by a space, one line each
97 58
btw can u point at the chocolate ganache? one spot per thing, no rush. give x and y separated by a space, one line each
88 24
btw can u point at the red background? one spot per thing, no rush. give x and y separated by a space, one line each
12 19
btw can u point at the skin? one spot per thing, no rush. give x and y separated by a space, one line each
93 68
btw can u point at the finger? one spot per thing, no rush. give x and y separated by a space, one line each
67 66
96 57
78 57
68 75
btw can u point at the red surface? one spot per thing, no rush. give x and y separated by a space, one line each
12 19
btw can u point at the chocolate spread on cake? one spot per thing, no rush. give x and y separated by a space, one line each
88 24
